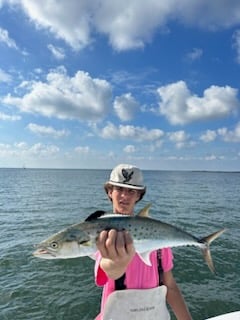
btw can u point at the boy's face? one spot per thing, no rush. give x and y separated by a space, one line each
123 199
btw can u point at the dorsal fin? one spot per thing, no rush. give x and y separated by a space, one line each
145 211
95 215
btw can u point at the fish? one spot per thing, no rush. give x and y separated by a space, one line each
79 240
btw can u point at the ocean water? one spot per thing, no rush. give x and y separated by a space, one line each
36 203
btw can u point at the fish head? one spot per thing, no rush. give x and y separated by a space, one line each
69 243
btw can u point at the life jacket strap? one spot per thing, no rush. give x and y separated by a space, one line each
160 268
120 285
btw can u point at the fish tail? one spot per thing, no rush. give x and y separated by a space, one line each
206 250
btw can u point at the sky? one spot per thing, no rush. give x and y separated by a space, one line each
91 84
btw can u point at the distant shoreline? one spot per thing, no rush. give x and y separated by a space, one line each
159 170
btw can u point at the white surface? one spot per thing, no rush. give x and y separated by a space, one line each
227 316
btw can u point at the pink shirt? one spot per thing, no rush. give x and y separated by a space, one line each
138 274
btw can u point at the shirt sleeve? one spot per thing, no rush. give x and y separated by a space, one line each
100 276
167 259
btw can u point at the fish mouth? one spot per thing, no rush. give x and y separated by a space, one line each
43 253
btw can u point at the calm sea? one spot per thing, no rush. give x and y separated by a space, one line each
36 203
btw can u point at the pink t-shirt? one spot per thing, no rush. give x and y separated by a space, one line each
138 274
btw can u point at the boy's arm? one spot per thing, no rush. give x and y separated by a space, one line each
175 298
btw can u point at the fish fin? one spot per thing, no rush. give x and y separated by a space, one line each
206 251
145 257
145 211
95 215
86 243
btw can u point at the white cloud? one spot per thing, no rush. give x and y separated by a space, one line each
7 117
42 150
21 145
230 135
127 24
210 15
129 149
5 77
47 131
82 150
125 106
80 97
181 107
224 133
155 145
4 37
236 44
180 138
70 21
57 52
5 150
9 42
195 54
208 136
130 25
38 70
130 132
23 150
211 157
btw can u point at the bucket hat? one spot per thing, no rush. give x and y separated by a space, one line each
126 176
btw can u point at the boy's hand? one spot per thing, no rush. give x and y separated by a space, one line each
117 250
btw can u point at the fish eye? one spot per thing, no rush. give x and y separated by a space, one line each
54 245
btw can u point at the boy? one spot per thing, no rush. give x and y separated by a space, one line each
118 266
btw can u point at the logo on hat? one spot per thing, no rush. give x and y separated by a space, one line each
127 175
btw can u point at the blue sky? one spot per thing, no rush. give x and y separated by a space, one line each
90 84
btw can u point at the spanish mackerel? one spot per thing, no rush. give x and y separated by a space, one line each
148 234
